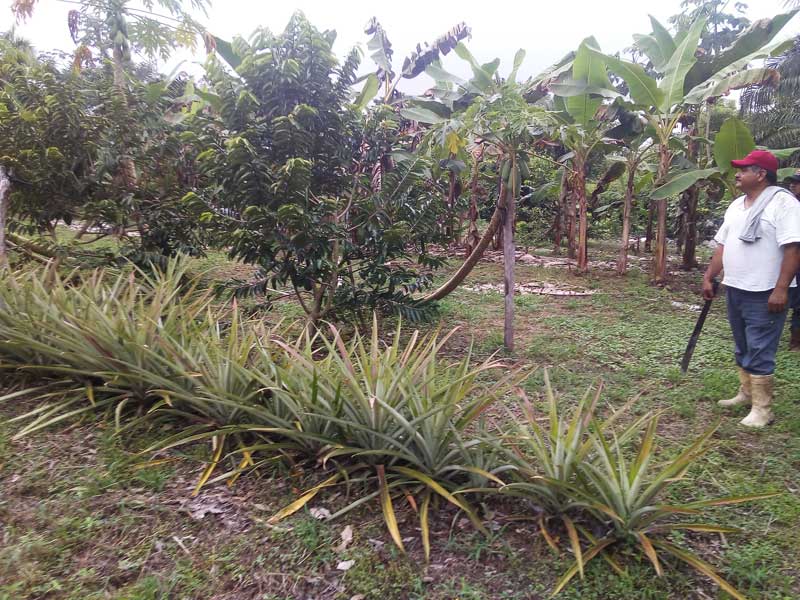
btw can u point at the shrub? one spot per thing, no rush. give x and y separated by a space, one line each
97 334
578 471
404 419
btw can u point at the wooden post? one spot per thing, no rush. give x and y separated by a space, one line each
509 259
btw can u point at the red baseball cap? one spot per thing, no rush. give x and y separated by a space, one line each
758 158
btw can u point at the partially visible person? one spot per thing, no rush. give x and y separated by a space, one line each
759 250
793 181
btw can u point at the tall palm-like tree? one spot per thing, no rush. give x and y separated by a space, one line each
773 111
9 40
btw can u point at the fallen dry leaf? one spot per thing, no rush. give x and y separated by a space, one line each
347 537
345 565
320 513
200 508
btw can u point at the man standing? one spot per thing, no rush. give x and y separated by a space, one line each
759 250
794 342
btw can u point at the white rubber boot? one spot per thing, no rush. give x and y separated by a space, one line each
761 413
744 395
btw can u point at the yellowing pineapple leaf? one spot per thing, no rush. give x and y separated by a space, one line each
388 509
302 500
700 565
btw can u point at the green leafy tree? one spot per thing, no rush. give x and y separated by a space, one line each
583 132
47 136
70 144
285 183
722 26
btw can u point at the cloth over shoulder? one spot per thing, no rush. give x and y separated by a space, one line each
751 232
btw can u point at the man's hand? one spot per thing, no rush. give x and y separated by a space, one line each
778 300
708 289
714 268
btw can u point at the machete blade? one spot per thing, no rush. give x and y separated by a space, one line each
687 354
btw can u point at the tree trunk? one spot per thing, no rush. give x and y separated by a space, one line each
497 242
475 256
622 260
127 168
569 217
690 228
556 229
473 237
583 225
452 196
5 185
690 199
648 236
660 255
498 239
680 225
560 212
508 268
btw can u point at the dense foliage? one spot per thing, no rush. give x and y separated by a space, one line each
298 182
273 156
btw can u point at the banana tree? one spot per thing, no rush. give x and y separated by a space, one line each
685 82
414 64
733 141
638 173
498 117
579 98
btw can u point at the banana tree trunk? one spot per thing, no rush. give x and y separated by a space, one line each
622 260
648 235
473 237
498 239
556 228
5 185
690 228
660 255
452 197
465 269
570 219
508 268
579 181
690 200
558 222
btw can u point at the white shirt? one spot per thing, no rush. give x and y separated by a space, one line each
756 266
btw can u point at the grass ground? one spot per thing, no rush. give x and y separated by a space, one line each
79 520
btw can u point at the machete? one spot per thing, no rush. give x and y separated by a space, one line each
687 355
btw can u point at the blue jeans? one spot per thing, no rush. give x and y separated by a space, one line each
756 331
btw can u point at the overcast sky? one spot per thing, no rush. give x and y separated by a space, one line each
546 30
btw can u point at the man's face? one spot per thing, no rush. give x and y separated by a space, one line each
794 187
750 178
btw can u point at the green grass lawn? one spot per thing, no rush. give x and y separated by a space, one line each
78 520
